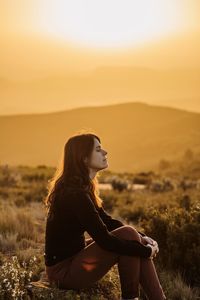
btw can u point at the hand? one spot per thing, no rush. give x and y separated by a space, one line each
148 240
154 248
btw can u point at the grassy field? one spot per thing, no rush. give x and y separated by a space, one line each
167 209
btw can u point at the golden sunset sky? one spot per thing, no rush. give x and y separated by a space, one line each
60 54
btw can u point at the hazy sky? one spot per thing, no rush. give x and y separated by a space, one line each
43 38
99 23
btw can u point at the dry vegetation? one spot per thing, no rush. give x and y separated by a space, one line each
167 209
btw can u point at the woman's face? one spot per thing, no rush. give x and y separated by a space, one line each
98 160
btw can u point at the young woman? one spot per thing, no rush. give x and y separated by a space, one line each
73 207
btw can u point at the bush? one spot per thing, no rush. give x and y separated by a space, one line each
179 241
119 185
14 277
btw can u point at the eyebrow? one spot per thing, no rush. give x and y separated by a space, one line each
98 146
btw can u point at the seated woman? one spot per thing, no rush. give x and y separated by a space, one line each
73 208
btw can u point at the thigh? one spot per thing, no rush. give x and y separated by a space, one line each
88 266
93 262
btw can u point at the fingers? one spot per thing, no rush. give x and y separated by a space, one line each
154 245
150 240
155 250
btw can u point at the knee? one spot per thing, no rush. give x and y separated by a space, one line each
129 232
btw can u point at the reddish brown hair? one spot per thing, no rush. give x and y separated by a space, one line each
73 173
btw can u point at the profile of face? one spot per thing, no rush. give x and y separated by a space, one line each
98 159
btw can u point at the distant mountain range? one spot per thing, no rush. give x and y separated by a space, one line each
178 88
136 135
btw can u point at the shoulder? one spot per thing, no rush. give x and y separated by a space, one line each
84 200
71 195
77 194
82 195
72 191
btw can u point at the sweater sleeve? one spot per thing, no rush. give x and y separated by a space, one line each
112 223
88 216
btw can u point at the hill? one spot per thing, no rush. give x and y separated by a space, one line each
136 135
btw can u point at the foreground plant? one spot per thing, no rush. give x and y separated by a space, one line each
14 277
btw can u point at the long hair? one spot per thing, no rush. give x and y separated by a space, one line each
73 173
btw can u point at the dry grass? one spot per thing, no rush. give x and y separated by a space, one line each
22 223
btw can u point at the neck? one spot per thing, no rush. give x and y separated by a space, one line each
92 173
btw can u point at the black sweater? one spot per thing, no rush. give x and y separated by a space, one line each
73 215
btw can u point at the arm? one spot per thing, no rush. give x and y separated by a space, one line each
110 222
89 218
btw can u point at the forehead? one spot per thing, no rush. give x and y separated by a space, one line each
96 142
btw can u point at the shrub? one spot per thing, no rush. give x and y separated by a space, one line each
119 185
179 242
14 277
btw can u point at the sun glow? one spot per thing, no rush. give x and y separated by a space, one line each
105 24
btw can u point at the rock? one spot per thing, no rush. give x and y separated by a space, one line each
105 289
42 289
